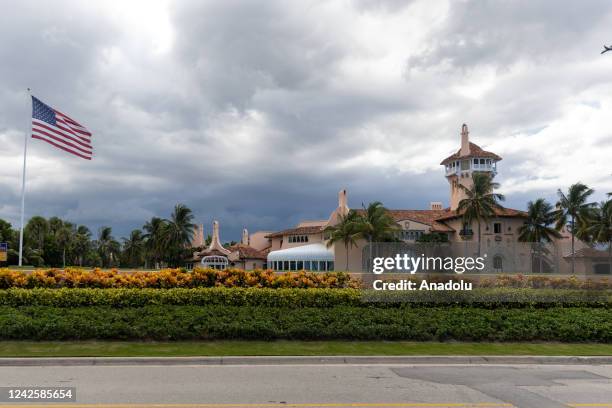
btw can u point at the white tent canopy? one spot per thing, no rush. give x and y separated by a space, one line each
312 257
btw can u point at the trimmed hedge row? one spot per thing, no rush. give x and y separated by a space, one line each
343 322
181 278
299 298
125 298
173 278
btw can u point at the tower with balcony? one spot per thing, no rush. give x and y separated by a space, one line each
460 166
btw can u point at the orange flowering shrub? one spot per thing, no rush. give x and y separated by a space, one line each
173 278
180 278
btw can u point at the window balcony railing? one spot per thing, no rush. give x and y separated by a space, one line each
459 167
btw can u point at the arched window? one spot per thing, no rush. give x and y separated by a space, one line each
498 263
214 262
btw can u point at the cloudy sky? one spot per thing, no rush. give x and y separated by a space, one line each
256 113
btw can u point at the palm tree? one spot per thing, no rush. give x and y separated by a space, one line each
376 225
133 248
537 228
574 206
65 238
346 231
108 248
597 227
82 242
154 239
180 226
481 201
179 231
55 224
33 256
35 231
540 215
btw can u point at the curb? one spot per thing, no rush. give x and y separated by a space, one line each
302 360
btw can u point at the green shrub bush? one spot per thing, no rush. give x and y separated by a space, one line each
169 322
298 298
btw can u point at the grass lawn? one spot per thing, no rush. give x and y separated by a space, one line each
285 348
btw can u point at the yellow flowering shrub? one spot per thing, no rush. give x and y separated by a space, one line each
172 278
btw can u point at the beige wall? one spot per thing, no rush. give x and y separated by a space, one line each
259 241
457 193
249 264
414 226
509 229
354 253
283 243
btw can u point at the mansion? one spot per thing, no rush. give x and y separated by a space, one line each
304 247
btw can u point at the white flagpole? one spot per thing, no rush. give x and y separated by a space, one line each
25 151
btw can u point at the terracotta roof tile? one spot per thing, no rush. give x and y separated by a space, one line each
427 217
247 252
499 212
297 231
475 151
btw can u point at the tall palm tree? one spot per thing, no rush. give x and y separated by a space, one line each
180 225
537 228
64 236
481 201
179 231
597 227
574 206
108 247
82 242
133 248
376 225
154 239
347 231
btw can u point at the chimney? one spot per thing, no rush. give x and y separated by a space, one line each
465 141
343 202
245 237
435 205
215 235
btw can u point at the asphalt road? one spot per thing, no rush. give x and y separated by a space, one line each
324 385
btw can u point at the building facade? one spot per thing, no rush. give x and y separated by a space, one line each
305 247
293 248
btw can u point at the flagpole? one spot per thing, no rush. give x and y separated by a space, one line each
23 179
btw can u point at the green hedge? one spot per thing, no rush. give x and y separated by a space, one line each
298 298
169 322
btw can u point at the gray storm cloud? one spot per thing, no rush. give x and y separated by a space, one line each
257 113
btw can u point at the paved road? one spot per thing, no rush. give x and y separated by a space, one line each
338 386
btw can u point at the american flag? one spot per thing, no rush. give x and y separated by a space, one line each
60 131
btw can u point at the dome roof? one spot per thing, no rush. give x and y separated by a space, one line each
311 252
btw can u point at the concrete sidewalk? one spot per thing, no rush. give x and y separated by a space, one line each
303 360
